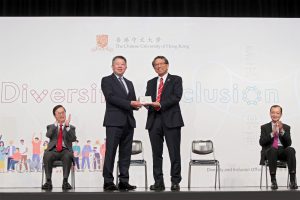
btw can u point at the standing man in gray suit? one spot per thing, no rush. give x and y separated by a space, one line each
61 135
119 122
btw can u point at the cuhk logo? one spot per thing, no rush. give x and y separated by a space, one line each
102 41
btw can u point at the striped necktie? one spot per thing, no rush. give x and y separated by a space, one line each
160 89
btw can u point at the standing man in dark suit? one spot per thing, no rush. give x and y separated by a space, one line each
165 121
61 135
275 140
119 122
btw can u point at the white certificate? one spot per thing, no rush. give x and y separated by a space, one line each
145 99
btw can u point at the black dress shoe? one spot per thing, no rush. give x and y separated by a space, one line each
157 187
293 185
274 185
109 186
175 187
47 186
126 186
66 186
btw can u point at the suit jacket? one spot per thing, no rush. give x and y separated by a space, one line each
68 136
266 140
170 97
118 109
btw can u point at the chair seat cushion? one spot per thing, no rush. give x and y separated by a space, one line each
280 163
57 163
137 162
204 162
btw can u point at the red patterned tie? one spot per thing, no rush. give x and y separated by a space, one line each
59 139
275 141
160 88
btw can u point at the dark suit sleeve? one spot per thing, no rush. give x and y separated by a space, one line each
147 89
133 98
71 134
285 139
265 137
148 94
111 98
49 133
174 97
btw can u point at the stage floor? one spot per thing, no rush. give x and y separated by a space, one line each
142 189
253 193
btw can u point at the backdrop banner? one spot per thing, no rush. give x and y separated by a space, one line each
233 70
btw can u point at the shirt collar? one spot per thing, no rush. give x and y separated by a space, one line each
56 124
164 77
122 77
273 124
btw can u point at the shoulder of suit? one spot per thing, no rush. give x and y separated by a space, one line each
152 80
71 126
127 80
50 126
285 126
107 77
174 76
266 125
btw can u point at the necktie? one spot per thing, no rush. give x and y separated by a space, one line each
275 141
123 86
59 139
160 89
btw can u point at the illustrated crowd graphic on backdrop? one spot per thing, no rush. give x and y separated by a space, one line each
27 156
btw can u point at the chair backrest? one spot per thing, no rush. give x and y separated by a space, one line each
137 147
202 147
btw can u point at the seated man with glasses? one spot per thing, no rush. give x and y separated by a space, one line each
275 140
61 135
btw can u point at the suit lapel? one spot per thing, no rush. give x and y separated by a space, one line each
56 130
64 134
167 83
128 86
269 127
154 89
117 82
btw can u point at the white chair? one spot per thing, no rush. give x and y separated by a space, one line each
280 164
203 147
137 148
59 163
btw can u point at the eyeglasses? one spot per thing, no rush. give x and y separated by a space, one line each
61 113
158 64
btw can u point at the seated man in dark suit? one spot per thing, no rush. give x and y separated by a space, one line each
275 140
61 135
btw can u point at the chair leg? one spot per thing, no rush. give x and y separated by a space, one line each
219 175
43 172
117 174
288 179
266 176
73 176
146 179
189 177
261 174
216 175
